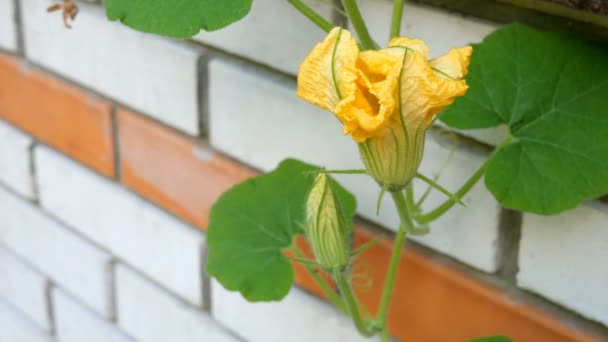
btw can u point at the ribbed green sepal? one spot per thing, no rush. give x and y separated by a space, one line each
393 158
325 226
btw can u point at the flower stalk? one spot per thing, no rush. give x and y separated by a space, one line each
389 280
313 16
396 18
323 285
466 187
354 14
352 304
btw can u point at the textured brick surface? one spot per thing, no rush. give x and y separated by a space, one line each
15 327
299 317
177 173
163 317
62 116
15 160
68 260
156 76
139 233
293 128
429 292
24 288
277 35
562 258
87 221
8 28
76 323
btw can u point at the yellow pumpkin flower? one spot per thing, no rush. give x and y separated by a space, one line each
386 99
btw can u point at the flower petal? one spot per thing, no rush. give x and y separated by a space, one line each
414 44
328 73
423 93
415 91
454 64
450 69
372 105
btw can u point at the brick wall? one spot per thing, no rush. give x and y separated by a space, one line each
115 144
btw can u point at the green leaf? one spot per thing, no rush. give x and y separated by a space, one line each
252 223
177 18
551 90
492 339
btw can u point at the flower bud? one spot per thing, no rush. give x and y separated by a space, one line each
393 158
325 227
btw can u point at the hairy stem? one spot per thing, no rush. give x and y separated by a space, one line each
449 203
389 280
352 304
329 292
367 43
396 18
466 187
312 15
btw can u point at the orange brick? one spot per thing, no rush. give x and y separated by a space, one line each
437 302
163 166
62 116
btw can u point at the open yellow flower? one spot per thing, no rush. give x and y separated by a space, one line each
386 98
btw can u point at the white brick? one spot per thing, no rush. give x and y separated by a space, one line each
290 127
76 323
298 317
469 233
563 258
68 260
143 235
16 328
441 30
273 33
150 314
149 73
24 288
15 160
8 28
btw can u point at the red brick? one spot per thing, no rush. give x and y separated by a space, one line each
62 116
437 302
164 167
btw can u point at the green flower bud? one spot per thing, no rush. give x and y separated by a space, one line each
393 158
325 227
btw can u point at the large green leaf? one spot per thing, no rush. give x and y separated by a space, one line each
551 90
177 18
252 223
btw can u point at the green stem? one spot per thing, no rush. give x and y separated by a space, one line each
409 198
389 280
347 172
329 292
312 15
352 10
466 187
449 203
436 177
396 18
386 337
352 304
423 198
439 188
